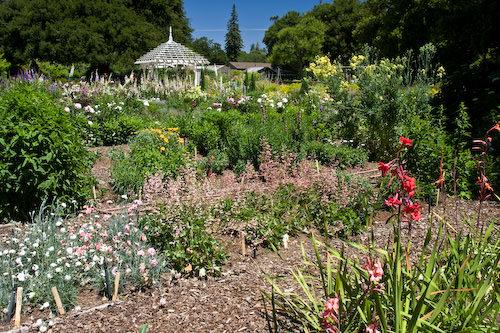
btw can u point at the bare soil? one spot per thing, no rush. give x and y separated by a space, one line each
230 302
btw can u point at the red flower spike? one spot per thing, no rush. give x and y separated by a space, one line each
405 141
496 127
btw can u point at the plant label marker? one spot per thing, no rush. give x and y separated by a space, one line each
19 304
117 284
243 245
60 307
11 304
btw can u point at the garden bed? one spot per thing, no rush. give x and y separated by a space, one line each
230 302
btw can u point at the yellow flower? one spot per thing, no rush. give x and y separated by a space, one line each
173 129
181 140
162 148
165 140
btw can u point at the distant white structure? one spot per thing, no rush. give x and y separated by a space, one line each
172 54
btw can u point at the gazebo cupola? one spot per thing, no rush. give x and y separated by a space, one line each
171 54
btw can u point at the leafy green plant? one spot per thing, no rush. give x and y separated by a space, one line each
41 154
151 150
181 234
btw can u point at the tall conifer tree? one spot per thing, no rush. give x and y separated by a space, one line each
234 43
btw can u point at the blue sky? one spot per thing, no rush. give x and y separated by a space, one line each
209 18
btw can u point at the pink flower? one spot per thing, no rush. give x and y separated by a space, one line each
414 210
154 262
151 251
329 315
140 253
372 328
143 238
114 271
374 270
129 242
142 267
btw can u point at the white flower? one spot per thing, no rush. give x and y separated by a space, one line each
58 223
58 270
43 328
124 196
88 108
66 109
146 103
19 261
49 276
31 295
51 249
53 264
39 322
21 276
67 277
35 267
259 100
78 106
69 250
285 100
279 104
63 204
22 253
45 305
90 123
35 245
78 263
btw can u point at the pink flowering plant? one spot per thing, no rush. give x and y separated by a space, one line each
70 253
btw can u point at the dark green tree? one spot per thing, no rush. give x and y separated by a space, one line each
234 42
210 50
109 35
290 19
256 54
297 46
340 18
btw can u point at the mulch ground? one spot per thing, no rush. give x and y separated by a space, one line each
230 302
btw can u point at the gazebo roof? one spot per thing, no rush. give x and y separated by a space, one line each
171 54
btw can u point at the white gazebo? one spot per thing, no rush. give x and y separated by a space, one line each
172 54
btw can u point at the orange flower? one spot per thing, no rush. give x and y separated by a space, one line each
496 127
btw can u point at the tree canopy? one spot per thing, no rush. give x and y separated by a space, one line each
298 45
234 42
210 50
109 35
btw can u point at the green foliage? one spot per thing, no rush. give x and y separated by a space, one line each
55 71
107 35
416 296
41 154
4 65
215 162
290 19
256 54
298 45
234 42
328 154
181 234
210 50
151 151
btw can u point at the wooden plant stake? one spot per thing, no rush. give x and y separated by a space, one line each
317 166
19 304
243 245
10 309
437 198
94 192
60 307
117 284
195 153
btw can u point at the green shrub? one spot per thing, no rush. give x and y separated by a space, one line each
181 234
151 150
328 154
41 153
215 162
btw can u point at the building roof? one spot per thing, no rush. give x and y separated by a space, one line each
171 54
246 65
259 69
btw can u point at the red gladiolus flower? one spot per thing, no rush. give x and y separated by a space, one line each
393 202
405 141
331 312
409 185
384 168
414 211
